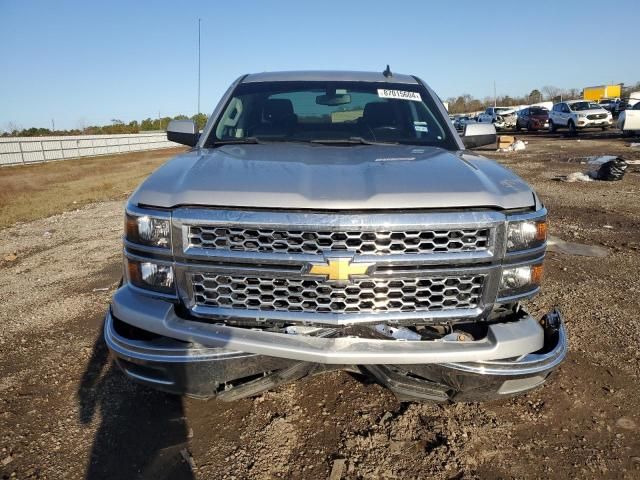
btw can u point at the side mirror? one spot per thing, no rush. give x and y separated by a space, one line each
182 131
478 134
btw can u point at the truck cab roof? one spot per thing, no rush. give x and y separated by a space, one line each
328 75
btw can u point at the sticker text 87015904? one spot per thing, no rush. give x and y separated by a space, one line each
399 94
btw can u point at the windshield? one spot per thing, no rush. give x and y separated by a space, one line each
585 106
342 113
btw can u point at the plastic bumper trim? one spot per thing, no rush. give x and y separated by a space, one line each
503 340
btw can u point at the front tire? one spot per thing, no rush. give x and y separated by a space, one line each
572 128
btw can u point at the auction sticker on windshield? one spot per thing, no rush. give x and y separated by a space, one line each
399 94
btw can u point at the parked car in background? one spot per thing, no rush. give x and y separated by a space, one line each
634 97
610 104
501 117
468 120
532 118
621 107
460 122
577 115
629 120
490 115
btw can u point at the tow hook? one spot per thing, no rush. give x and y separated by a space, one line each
552 320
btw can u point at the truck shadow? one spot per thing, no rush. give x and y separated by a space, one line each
141 432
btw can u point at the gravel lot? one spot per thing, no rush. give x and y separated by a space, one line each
66 412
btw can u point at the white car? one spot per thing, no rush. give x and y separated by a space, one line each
501 117
578 114
634 98
491 114
629 120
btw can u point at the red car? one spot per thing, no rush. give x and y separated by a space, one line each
532 118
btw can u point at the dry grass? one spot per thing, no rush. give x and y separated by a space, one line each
36 191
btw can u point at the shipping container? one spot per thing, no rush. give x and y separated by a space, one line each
602 91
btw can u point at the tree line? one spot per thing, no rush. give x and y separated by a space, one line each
461 104
114 128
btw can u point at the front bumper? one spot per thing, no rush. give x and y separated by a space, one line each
587 123
203 360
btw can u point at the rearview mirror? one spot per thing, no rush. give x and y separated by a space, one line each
478 134
334 99
183 132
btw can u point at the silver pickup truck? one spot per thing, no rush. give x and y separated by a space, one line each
333 220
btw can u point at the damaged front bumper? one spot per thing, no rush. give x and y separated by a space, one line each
154 345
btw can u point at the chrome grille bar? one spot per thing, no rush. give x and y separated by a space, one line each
381 242
425 294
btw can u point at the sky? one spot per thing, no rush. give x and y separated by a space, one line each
87 62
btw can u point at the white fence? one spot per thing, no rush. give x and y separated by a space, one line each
25 150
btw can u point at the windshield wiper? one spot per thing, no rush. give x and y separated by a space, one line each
235 141
350 141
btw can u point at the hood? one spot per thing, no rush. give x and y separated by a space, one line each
510 111
299 176
593 111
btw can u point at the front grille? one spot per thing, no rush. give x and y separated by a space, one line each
426 294
359 242
597 116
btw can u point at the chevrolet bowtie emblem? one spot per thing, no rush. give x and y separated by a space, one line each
339 269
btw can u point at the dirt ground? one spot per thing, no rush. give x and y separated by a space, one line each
29 192
66 412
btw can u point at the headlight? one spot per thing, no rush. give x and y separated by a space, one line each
151 276
148 230
520 280
526 234
582 115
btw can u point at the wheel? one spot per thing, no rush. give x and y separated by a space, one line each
517 127
572 128
552 126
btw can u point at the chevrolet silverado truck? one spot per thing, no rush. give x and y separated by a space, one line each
333 220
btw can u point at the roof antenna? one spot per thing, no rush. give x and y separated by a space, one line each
387 73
